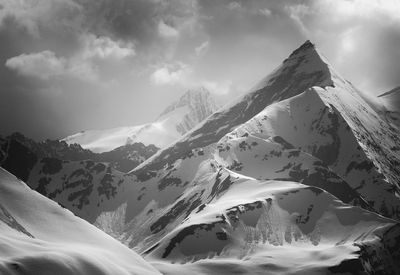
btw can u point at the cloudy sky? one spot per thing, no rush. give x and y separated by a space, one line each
70 65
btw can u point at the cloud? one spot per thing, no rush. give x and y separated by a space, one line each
104 47
82 65
266 12
34 16
358 36
183 76
361 9
202 48
218 88
167 31
169 74
42 65
234 6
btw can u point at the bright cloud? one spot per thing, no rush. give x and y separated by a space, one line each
104 47
169 75
219 88
167 31
82 64
42 65
34 15
361 8
203 48
266 12
234 6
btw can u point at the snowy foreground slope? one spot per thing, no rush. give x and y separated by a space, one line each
37 236
177 119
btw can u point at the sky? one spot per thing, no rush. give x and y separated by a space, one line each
72 65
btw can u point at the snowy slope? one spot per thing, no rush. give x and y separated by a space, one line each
314 126
178 118
39 237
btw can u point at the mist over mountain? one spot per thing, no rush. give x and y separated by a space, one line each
178 118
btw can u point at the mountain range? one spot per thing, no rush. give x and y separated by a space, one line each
300 175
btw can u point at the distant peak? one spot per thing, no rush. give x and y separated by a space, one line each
196 92
191 98
191 108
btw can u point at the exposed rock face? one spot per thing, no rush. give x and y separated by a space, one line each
19 154
68 174
127 157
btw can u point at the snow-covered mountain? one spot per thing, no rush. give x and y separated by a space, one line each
37 236
298 176
19 154
177 119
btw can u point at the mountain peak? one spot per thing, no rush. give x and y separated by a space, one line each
305 64
306 46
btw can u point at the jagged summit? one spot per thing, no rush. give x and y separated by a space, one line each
308 45
305 64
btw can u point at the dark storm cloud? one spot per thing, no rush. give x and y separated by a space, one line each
55 54
69 65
